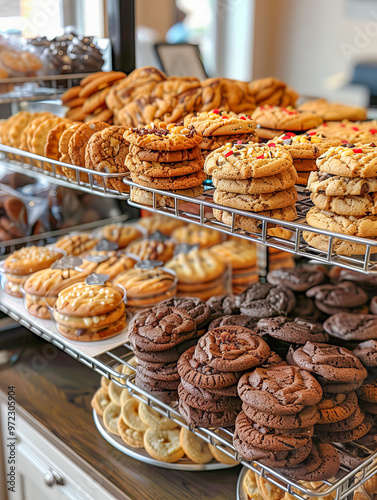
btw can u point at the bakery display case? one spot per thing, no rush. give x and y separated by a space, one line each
235 325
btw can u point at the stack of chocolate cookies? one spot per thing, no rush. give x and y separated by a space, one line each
165 157
210 371
344 193
219 127
255 178
367 393
277 421
340 373
159 336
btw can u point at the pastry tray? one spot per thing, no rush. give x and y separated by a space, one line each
199 211
142 456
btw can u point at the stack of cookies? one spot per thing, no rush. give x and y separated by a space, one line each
340 373
200 274
275 120
262 300
344 195
305 149
276 425
165 157
255 178
209 373
158 337
222 127
367 393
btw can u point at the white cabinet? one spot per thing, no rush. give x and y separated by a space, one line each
44 472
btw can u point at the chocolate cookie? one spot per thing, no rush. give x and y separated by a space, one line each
235 319
368 407
298 279
282 390
305 308
199 311
373 305
368 391
349 435
308 417
213 394
231 349
297 331
167 356
221 305
346 424
262 300
357 327
168 385
333 299
367 353
158 371
271 439
203 376
216 404
339 387
322 463
336 407
271 458
166 396
273 360
207 419
331 363
161 328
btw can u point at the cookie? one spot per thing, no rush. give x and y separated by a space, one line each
100 401
356 327
99 81
51 147
243 161
354 206
200 402
221 305
369 407
262 300
367 353
159 390
158 222
336 185
148 169
210 143
168 356
122 235
170 183
349 161
333 299
265 390
299 279
336 407
297 331
192 234
242 320
304 419
113 265
364 227
163 445
196 266
256 202
240 254
331 363
344 436
158 371
144 197
140 156
305 146
199 311
276 117
353 420
161 328
194 447
203 376
63 144
153 418
110 418
39 137
150 249
28 260
279 182
333 111
132 438
76 243
220 122
254 225
207 419
339 388
339 246
163 137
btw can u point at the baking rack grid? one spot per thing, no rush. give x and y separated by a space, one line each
199 210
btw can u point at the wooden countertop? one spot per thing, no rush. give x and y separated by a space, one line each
54 390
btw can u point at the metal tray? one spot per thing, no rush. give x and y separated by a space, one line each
141 455
241 492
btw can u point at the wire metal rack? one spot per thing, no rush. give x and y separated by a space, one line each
199 210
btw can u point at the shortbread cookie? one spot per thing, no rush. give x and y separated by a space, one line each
17 124
243 161
130 415
254 225
170 183
156 169
365 227
219 122
356 206
153 418
100 401
341 247
194 447
269 184
164 137
139 195
256 202
287 118
335 185
39 138
196 266
334 111
163 445
349 161
51 148
110 418
149 155
132 438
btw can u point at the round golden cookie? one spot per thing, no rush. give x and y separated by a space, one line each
132 438
340 247
149 249
40 135
278 182
254 225
76 114
220 122
123 235
143 197
269 490
334 111
238 254
153 418
336 185
349 161
193 234
243 161
156 169
96 100
124 396
30 130
220 456
63 144
5 126
110 418
194 447
114 392
163 445
28 260
364 227
70 94
16 126
126 369
131 417
256 202
356 206
170 183
166 225
92 334
93 322
100 81
289 118
305 146
100 401
164 137
51 148
196 266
